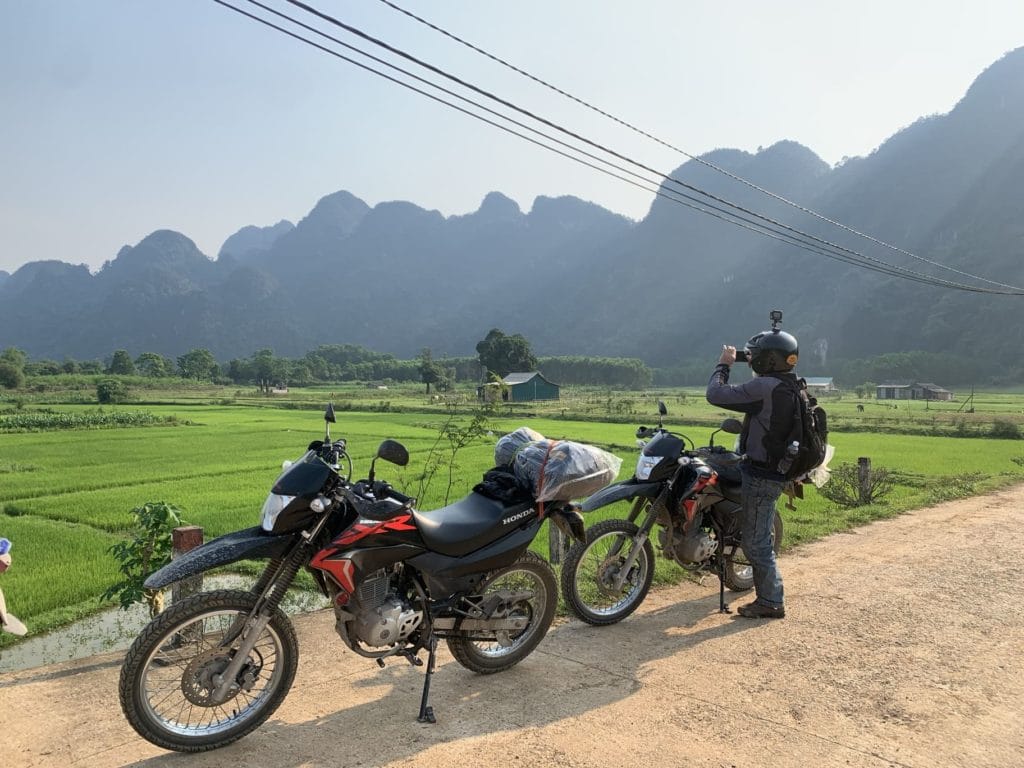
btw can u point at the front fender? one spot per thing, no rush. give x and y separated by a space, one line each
250 543
627 489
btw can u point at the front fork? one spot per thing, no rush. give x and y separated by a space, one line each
270 589
639 539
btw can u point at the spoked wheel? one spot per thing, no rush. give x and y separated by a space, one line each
590 572
170 678
739 574
532 581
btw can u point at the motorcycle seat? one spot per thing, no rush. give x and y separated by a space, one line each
469 524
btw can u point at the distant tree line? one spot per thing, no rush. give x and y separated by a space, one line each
326 363
618 372
944 369
342 363
498 355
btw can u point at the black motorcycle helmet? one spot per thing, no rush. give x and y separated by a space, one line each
772 351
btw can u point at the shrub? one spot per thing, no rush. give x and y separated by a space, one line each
1004 430
844 487
11 376
147 550
950 488
44 420
111 391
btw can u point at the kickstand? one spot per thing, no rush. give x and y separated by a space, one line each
427 713
722 607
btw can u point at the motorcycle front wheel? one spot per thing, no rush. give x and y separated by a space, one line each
531 576
591 569
739 574
170 674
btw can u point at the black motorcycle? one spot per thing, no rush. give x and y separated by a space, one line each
215 665
692 495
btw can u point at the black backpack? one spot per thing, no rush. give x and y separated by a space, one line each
809 430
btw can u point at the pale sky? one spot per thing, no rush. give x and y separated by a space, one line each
121 117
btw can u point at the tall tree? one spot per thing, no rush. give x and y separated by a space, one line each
121 363
430 372
15 357
12 368
264 366
502 354
152 364
11 376
198 364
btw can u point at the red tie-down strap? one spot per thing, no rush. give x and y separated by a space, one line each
540 481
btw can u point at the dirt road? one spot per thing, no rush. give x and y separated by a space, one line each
903 646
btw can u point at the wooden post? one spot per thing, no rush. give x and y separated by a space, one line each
183 539
554 543
864 479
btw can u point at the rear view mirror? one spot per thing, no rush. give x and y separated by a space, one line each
394 452
732 426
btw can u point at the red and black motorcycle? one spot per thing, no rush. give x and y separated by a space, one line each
215 665
692 495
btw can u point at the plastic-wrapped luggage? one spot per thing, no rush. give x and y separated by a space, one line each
556 469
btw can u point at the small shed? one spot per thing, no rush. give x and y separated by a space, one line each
523 387
912 391
932 392
817 384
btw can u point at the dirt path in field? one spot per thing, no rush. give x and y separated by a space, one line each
903 646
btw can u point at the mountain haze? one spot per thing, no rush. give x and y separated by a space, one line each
575 278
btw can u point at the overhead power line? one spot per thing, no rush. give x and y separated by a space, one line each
737 215
684 153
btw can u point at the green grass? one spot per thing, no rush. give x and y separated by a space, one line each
67 495
57 569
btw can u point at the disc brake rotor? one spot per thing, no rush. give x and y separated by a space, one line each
607 573
197 682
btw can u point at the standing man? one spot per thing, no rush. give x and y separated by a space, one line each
769 409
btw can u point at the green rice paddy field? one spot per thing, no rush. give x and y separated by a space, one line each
66 495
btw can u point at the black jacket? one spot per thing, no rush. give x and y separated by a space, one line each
769 409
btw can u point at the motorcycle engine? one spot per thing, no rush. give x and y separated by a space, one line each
688 548
382 617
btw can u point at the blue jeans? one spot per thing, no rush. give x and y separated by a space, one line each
757 519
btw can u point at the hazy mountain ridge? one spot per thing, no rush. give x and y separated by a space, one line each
252 239
578 279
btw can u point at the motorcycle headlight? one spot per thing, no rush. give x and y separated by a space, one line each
644 466
273 507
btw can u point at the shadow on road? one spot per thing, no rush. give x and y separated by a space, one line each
576 669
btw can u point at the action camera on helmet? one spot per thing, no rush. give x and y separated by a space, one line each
771 351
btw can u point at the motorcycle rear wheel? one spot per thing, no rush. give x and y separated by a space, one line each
167 681
739 574
590 568
528 573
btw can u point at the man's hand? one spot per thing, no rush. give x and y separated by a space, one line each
5 562
728 356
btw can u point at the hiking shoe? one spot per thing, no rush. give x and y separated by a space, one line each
761 611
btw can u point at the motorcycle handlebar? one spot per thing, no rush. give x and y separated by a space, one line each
379 490
329 452
398 495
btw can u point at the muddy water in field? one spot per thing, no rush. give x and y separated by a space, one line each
114 630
